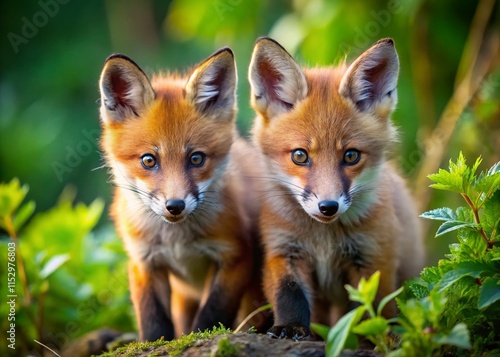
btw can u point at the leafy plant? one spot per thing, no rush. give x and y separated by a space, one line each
454 308
469 277
418 325
375 328
66 280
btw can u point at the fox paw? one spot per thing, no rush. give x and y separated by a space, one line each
295 333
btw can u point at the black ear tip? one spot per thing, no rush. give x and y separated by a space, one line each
120 56
268 42
224 50
265 39
386 41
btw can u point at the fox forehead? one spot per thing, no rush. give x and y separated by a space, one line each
325 121
170 126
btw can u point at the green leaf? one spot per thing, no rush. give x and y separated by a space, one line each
11 196
388 298
369 288
472 269
488 184
351 343
431 275
450 226
491 217
374 326
339 333
320 330
440 214
53 264
494 169
24 213
447 181
489 292
459 336
419 290
354 294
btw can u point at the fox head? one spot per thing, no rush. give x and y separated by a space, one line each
326 131
167 140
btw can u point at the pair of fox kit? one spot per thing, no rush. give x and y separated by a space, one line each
194 202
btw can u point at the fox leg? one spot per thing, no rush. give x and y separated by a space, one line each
151 299
183 307
287 284
224 293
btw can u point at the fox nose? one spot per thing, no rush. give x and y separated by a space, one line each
175 206
328 208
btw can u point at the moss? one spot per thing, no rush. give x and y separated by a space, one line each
173 348
226 348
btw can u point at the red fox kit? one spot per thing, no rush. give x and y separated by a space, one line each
336 209
181 204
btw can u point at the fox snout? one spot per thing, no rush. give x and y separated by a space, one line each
324 210
175 206
328 208
176 209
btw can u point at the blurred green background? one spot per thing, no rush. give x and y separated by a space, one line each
52 53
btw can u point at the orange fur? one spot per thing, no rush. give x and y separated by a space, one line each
191 263
326 221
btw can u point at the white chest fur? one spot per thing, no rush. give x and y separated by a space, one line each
329 250
183 249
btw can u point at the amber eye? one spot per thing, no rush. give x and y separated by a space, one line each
148 161
197 159
352 156
300 157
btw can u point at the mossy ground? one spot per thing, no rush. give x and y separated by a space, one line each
172 348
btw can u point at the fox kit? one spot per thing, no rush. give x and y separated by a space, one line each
336 209
181 203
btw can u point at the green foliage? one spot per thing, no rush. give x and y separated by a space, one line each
469 277
422 331
68 280
374 327
419 325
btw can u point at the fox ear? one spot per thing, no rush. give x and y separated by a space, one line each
276 80
212 85
370 81
125 89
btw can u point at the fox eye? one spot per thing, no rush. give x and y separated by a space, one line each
197 159
300 157
148 161
351 157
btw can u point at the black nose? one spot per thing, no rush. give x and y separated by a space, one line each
328 208
175 206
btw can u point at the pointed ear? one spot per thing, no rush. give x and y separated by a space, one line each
370 81
212 85
125 89
276 80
